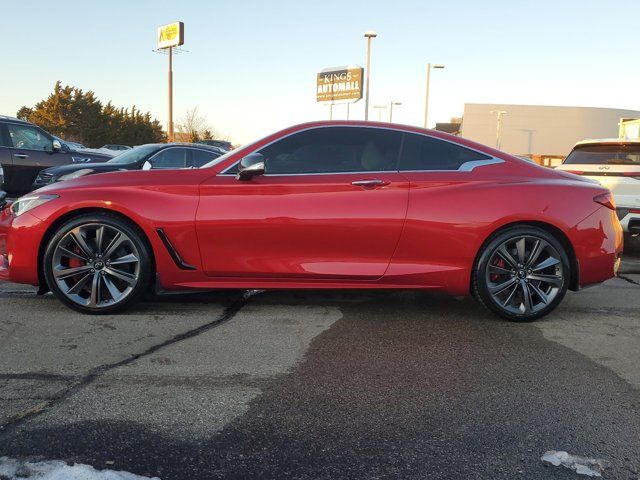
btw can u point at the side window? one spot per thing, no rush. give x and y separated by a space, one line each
5 139
170 158
200 157
29 138
334 150
426 153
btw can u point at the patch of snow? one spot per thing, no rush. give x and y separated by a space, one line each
590 467
13 469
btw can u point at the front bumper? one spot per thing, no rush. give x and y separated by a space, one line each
19 247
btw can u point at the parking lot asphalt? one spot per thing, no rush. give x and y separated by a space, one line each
324 384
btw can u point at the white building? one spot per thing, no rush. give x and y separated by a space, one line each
540 131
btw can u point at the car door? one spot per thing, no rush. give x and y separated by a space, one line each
5 155
331 205
32 151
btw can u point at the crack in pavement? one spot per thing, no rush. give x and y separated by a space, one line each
38 376
96 372
627 279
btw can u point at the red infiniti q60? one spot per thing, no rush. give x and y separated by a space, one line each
321 205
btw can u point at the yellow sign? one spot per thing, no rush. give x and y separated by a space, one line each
340 83
171 35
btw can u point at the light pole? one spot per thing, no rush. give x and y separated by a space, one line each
499 114
426 98
380 108
170 135
369 34
391 104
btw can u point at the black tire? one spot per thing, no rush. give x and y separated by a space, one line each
101 281
521 292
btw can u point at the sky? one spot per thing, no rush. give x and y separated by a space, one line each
250 66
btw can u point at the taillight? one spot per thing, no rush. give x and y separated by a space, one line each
575 172
635 175
605 199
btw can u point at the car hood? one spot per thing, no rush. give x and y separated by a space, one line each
94 167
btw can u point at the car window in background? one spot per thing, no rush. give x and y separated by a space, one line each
135 154
605 154
202 157
30 138
170 158
425 153
334 150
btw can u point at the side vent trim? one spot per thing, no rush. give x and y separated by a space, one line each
175 256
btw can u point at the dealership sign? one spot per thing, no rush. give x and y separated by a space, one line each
339 83
171 35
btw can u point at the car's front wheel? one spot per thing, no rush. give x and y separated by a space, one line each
522 273
97 263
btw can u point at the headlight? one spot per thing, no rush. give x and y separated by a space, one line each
24 204
76 174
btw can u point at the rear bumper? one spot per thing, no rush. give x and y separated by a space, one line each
19 247
598 244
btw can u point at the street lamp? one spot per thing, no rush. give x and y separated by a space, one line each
499 114
369 34
426 100
391 104
380 108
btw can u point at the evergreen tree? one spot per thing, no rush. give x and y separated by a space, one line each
74 115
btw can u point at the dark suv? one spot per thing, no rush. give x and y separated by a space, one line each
25 149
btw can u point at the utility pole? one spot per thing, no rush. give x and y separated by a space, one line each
379 108
499 116
170 122
391 104
369 34
168 37
426 97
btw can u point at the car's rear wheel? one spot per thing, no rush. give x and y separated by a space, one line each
522 273
97 263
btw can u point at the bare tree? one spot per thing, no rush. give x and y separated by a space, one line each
193 126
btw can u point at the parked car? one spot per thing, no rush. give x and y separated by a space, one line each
614 163
71 145
321 205
117 148
223 144
25 149
144 157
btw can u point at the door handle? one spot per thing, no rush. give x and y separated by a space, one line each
21 155
370 183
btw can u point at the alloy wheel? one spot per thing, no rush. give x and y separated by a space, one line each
524 275
96 265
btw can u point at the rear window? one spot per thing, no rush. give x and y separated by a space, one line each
605 155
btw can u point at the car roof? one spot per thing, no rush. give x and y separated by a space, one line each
6 118
608 141
191 145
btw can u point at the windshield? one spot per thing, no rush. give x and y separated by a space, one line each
135 154
622 154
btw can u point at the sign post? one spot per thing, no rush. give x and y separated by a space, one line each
169 36
339 84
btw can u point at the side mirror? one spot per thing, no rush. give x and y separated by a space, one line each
56 145
250 166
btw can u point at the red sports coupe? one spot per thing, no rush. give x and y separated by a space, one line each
321 205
